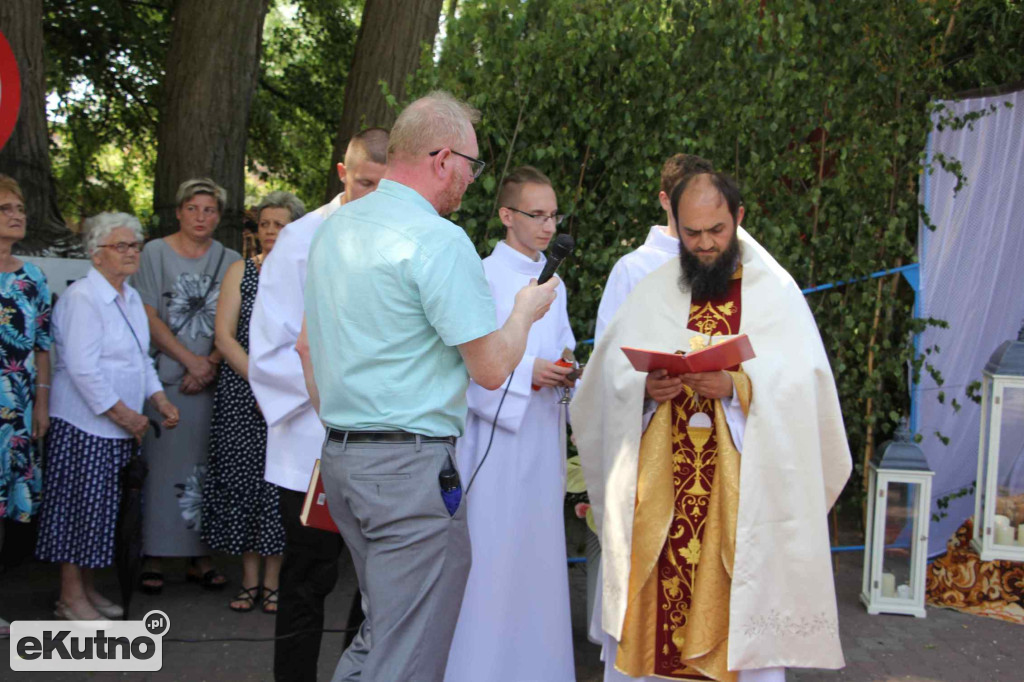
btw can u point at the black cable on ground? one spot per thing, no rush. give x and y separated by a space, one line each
183 640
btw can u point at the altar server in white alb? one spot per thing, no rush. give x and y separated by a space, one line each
514 624
661 245
295 434
713 515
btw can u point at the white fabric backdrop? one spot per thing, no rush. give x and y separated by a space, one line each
972 276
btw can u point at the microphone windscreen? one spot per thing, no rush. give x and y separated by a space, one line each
562 246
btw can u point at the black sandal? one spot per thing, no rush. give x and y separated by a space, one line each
152 577
208 580
247 595
269 599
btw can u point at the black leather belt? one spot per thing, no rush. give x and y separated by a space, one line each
338 436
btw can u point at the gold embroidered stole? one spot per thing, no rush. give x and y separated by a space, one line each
686 504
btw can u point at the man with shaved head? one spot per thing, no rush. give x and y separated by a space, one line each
399 318
295 435
710 491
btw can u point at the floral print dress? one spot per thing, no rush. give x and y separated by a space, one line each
183 292
24 329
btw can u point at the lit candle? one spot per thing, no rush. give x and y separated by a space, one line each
1004 535
1001 521
903 591
888 584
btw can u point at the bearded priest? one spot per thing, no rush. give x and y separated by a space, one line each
711 491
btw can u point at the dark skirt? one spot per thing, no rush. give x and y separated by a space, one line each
240 508
81 495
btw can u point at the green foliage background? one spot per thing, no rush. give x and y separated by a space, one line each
105 67
820 110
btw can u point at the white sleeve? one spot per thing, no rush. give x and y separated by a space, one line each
650 407
78 318
616 289
484 403
735 418
275 370
153 385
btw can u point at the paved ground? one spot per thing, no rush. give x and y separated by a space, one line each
944 646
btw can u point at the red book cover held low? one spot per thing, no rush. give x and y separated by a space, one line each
723 355
314 509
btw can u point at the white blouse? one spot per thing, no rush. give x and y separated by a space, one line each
102 341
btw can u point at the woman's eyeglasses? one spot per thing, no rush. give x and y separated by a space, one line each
122 247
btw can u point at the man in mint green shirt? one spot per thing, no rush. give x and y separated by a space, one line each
399 317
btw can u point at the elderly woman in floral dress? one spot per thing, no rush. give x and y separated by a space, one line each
179 281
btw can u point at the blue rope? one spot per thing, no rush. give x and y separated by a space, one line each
873 275
908 271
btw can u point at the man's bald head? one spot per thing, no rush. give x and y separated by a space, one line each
433 149
434 121
709 187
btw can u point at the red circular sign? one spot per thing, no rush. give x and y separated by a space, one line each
10 91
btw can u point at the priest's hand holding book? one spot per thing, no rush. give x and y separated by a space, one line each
703 370
661 386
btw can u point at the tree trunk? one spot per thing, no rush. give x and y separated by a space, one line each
390 42
26 157
212 65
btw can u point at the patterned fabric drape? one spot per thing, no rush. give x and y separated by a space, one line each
961 580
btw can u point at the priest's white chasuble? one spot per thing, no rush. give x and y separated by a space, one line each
515 622
716 552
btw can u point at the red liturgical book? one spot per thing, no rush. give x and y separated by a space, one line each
720 356
314 509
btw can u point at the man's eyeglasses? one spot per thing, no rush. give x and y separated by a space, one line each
122 247
476 164
541 217
11 210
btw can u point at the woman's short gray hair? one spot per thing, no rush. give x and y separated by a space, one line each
281 199
434 121
99 227
194 186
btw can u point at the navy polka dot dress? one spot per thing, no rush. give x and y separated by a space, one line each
240 509
82 495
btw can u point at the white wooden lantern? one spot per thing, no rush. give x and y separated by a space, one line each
896 547
999 497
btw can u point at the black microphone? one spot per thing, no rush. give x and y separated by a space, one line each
562 247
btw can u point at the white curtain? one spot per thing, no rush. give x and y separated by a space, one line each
972 276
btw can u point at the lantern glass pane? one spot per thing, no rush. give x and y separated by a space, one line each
1010 486
900 545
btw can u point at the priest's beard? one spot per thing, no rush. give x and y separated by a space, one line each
708 281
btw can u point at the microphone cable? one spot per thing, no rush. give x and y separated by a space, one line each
494 425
